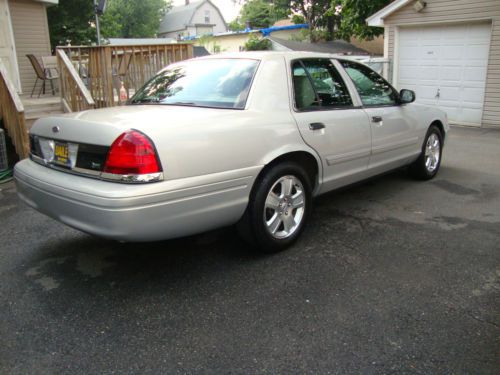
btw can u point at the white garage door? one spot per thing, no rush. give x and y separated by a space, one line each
446 67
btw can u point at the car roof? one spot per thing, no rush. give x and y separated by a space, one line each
264 55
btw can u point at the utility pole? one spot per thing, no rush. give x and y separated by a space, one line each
98 28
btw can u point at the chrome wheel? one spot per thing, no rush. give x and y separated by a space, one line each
284 207
432 152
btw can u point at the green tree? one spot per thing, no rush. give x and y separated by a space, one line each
258 13
71 21
317 14
327 19
354 15
298 19
236 25
133 18
264 13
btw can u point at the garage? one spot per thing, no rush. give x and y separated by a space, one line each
448 52
446 66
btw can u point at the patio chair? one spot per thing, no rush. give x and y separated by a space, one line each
49 64
42 75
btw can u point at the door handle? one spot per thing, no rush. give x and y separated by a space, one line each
377 119
316 126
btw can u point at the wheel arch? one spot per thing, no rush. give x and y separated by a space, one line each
440 126
307 159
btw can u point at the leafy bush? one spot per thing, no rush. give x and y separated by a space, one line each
255 43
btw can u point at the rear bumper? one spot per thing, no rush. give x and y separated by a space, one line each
145 212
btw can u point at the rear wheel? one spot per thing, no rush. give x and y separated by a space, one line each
279 205
429 161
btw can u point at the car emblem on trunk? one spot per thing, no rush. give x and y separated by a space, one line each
55 129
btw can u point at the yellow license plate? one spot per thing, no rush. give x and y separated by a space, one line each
61 154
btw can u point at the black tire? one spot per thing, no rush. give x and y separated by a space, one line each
253 228
421 168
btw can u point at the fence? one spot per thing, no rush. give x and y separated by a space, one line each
103 69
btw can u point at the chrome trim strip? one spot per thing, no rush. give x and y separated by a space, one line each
394 146
38 159
132 178
128 179
349 156
85 171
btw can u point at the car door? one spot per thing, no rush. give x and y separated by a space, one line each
330 121
393 126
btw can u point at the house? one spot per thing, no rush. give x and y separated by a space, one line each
200 51
192 20
448 52
231 41
23 30
339 47
235 41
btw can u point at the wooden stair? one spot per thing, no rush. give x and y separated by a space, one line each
35 108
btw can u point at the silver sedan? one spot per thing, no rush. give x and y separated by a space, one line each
246 139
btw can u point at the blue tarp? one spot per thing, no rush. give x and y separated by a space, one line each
265 32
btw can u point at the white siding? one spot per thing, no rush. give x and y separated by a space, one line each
7 45
31 35
229 42
439 11
215 18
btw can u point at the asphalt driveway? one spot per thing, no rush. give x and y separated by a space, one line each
391 276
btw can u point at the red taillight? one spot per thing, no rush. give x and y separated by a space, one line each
132 153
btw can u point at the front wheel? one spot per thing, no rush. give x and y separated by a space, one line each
279 205
429 161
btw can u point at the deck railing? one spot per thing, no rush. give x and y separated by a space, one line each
12 114
103 69
74 94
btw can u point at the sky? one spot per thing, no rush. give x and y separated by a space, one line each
228 8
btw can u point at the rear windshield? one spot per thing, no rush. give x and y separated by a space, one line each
219 83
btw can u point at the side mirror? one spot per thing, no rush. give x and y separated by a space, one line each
406 96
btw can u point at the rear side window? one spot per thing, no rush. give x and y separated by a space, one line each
318 85
372 88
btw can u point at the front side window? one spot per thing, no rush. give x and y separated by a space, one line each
318 85
207 16
372 88
219 83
